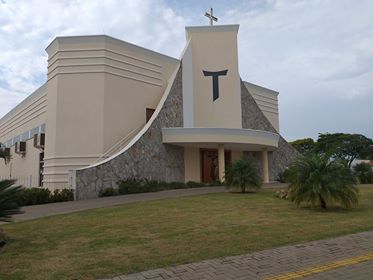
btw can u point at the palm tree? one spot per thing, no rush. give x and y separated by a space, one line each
319 181
364 173
243 174
8 200
8 203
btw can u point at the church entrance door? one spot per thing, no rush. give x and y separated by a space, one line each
210 166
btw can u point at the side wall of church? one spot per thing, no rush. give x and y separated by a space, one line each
148 158
253 117
20 124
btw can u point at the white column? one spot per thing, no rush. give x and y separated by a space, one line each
221 160
265 173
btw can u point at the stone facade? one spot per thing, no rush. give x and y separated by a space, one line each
148 158
253 117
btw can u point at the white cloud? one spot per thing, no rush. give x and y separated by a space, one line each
27 27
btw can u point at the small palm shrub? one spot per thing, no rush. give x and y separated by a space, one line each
319 181
364 173
8 200
243 174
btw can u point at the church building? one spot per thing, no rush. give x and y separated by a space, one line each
111 110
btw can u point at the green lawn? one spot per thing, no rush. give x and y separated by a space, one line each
134 237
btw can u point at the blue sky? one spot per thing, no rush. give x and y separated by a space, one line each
317 53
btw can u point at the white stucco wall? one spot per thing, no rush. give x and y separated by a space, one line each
98 91
213 48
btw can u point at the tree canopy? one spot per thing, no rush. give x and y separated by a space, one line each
304 146
338 146
344 146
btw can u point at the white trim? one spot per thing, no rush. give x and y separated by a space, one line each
9 118
214 28
99 39
219 131
267 90
159 78
237 137
105 72
188 102
68 157
102 57
66 164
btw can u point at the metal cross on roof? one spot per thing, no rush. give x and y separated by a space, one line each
211 16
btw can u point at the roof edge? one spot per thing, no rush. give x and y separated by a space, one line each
109 39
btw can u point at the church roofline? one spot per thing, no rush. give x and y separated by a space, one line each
23 102
214 28
101 38
275 93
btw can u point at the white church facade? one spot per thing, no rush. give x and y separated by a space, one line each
111 110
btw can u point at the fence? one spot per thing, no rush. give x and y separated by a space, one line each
27 181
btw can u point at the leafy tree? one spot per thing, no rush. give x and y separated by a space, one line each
318 181
368 154
343 146
363 172
243 174
304 146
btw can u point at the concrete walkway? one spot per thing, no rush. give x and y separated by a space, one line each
38 211
343 258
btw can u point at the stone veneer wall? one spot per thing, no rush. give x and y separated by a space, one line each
148 158
253 117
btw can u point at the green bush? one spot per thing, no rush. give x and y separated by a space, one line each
131 186
34 196
108 192
173 185
283 177
192 184
363 172
151 186
62 195
243 174
214 184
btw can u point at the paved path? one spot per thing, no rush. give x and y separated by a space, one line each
348 257
38 211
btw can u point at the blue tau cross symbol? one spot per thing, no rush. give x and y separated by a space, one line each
215 81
